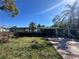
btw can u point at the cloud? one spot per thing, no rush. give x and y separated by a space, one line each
53 7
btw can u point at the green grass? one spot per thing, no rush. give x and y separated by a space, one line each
21 48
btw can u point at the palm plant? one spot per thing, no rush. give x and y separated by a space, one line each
56 19
67 18
59 21
77 14
70 13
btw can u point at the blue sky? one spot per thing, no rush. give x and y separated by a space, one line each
38 11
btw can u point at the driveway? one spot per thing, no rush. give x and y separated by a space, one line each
67 49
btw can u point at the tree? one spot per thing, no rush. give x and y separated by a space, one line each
56 19
59 21
43 26
39 25
77 20
32 27
9 6
69 19
13 29
70 13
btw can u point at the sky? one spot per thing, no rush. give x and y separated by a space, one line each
38 11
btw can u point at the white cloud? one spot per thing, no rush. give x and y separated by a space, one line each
53 7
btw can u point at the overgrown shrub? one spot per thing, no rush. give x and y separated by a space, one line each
4 36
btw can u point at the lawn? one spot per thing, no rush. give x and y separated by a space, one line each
23 48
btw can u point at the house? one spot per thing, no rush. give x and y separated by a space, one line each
19 29
2 29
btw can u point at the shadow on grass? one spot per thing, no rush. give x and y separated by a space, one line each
36 45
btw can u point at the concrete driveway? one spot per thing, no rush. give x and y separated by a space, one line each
66 48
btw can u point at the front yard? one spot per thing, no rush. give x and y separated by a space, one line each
25 48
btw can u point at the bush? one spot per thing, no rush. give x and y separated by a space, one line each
4 36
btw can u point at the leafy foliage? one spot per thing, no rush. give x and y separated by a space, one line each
4 36
9 6
60 22
32 26
69 17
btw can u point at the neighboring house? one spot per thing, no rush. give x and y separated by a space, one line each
19 29
2 29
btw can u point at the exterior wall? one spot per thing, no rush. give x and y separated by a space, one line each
4 30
